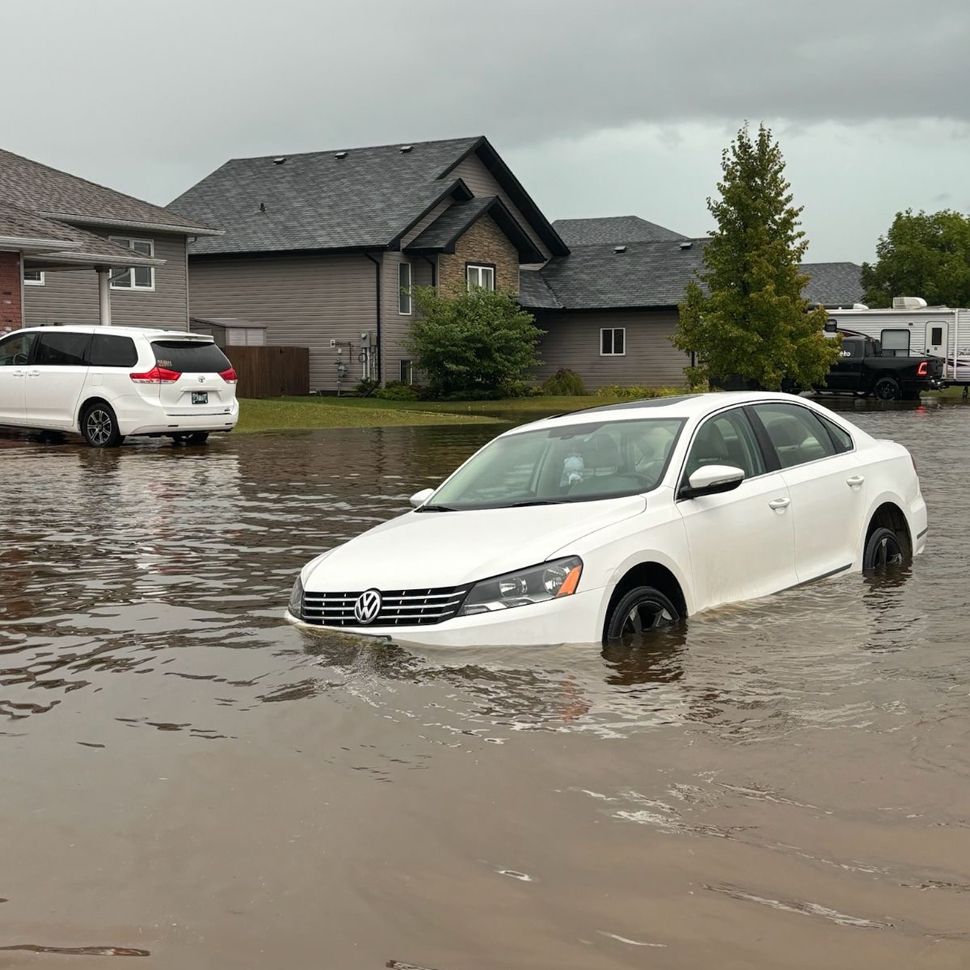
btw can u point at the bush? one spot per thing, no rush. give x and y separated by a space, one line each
564 382
480 344
396 391
636 391
366 387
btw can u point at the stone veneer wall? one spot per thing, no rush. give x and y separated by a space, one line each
483 243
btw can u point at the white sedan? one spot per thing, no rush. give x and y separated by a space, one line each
599 525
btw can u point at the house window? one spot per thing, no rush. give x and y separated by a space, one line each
407 372
613 342
404 292
33 277
480 276
135 277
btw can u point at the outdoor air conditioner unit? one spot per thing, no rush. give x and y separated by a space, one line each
909 303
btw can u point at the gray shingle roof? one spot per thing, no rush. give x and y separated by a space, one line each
318 200
656 274
49 192
534 292
611 229
452 223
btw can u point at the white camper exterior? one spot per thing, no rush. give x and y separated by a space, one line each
913 329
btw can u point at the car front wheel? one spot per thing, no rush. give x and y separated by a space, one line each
99 426
883 551
638 613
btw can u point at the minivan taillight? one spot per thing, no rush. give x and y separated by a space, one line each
157 375
229 376
923 368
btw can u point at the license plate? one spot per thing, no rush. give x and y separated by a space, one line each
200 397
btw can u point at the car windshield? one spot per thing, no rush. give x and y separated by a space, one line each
575 463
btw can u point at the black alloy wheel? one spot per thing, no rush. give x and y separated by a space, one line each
883 551
887 389
99 426
638 613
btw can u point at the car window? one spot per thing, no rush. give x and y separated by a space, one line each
726 439
15 349
841 438
564 463
190 356
112 350
852 348
61 348
796 433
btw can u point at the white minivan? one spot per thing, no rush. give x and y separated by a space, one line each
106 383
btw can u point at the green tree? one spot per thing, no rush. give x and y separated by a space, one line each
924 254
478 344
746 316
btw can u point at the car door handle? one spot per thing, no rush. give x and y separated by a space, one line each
855 481
779 503
33 373
16 373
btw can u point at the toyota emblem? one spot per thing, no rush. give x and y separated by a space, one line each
201 379
368 605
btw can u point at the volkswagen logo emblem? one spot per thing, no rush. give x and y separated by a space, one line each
368 605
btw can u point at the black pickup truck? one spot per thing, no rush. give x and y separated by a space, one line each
864 369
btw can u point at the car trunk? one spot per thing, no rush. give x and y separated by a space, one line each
200 387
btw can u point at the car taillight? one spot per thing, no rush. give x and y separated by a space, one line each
229 376
923 368
157 375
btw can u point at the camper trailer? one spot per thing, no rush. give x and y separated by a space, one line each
912 328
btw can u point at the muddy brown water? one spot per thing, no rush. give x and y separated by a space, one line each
188 782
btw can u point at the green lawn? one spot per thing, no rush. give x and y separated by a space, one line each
512 407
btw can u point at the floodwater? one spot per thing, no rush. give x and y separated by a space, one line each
188 782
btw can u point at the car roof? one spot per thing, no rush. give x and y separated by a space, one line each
152 334
684 407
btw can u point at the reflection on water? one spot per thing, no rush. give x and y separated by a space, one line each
187 778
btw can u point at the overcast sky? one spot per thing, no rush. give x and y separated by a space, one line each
601 107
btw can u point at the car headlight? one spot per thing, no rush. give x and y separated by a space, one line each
296 599
537 584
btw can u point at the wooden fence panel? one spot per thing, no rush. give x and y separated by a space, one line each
271 371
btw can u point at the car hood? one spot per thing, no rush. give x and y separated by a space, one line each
433 549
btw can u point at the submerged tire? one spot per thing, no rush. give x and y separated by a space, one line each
883 551
99 426
637 613
886 389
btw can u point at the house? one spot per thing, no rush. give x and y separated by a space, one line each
609 309
72 251
324 248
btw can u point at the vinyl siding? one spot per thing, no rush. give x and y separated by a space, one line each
395 326
72 296
481 181
572 340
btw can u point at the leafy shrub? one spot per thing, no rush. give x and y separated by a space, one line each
564 382
366 387
636 392
396 391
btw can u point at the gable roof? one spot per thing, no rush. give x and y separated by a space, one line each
654 275
357 198
54 194
611 229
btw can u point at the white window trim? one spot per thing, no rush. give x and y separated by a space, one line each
613 331
127 241
41 282
404 293
479 267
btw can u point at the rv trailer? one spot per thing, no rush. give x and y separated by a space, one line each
912 328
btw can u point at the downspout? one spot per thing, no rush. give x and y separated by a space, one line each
188 310
378 264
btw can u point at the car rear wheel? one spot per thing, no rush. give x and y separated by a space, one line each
191 437
886 389
99 426
638 613
883 551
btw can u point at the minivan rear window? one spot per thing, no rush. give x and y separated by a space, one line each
111 350
190 357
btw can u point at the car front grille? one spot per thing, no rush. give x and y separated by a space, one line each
399 607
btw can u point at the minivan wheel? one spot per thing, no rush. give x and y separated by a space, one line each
883 551
99 426
639 612
886 389
190 437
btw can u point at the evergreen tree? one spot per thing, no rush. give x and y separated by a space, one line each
747 315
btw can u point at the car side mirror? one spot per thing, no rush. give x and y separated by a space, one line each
419 498
712 480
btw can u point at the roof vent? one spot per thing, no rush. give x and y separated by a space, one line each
687 244
619 249
279 160
405 149
340 155
908 303
262 206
